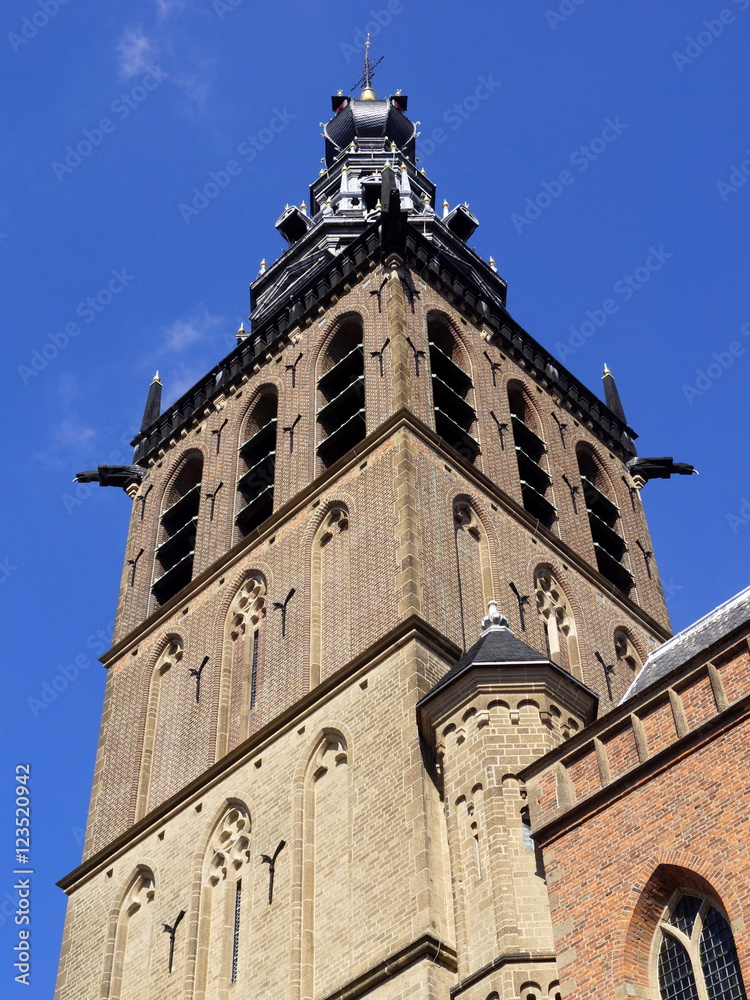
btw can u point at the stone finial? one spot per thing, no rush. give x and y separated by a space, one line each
493 618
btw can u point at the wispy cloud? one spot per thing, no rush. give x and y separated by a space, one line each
180 334
166 41
69 433
196 85
138 53
165 8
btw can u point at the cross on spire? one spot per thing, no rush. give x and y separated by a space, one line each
366 79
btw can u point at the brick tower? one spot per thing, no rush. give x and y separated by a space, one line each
304 787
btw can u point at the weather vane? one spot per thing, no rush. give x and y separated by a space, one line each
366 79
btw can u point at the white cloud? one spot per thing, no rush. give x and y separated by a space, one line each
183 332
69 433
73 433
138 53
166 7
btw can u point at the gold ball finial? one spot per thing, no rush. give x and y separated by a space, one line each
368 94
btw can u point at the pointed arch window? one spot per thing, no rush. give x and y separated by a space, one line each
257 463
224 908
341 393
697 958
558 622
604 521
178 528
452 389
531 450
626 652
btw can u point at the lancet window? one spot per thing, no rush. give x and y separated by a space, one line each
452 391
341 393
558 621
178 528
626 651
257 463
531 451
604 521
697 959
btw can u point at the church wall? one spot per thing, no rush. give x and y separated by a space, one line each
221 425
664 806
391 574
361 878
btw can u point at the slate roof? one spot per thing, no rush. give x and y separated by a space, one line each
497 646
695 639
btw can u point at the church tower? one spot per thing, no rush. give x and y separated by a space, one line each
306 781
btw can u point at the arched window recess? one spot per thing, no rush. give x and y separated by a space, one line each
341 393
455 417
697 959
530 452
604 521
178 528
257 465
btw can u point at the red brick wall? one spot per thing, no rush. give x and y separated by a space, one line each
682 821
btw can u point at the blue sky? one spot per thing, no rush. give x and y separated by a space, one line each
604 148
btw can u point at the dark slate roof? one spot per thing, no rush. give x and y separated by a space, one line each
369 120
697 638
497 647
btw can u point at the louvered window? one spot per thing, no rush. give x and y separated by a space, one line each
257 466
530 454
604 521
452 391
179 525
341 394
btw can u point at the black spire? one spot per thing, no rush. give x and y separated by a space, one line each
366 79
611 395
153 404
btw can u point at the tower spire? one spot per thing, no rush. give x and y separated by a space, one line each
153 403
368 94
611 395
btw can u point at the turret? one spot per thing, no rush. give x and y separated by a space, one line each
502 706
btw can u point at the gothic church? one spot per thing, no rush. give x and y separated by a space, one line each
393 708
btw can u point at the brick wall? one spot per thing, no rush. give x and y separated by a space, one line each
651 799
